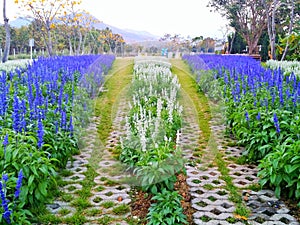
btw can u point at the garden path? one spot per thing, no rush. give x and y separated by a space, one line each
222 190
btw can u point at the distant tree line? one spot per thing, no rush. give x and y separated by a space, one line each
57 26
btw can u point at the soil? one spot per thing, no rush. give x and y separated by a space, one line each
183 189
140 205
142 201
294 209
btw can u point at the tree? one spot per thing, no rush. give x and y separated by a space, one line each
21 38
281 17
83 26
7 34
46 12
110 41
173 42
290 29
236 43
248 17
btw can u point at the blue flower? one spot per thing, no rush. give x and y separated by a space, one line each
276 123
71 128
6 215
15 114
247 116
19 184
5 177
40 133
4 203
258 116
5 141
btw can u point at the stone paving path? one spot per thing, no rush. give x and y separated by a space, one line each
109 203
210 198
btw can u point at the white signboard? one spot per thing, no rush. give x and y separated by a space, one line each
31 42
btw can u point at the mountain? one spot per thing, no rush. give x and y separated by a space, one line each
20 21
130 36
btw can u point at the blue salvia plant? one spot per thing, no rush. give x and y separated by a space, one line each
270 131
11 206
40 120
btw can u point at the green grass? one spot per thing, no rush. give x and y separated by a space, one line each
64 212
76 219
116 82
121 209
93 212
49 219
105 220
81 204
108 204
198 99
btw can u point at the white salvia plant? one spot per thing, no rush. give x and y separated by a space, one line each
287 67
10 66
154 109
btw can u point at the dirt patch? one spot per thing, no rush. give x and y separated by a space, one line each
183 189
140 205
142 201
294 209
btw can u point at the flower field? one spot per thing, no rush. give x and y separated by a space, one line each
43 109
262 109
151 148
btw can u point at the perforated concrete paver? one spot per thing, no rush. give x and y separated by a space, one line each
109 193
213 205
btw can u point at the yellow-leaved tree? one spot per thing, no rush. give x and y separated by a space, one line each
46 13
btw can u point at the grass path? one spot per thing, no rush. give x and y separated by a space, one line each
116 81
106 104
92 191
208 151
200 102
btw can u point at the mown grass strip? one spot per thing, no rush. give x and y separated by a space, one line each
189 85
116 81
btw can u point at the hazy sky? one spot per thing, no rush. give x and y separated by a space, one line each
189 17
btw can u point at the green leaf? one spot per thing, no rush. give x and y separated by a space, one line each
277 191
273 178
43 188
154 189
33 169
30 180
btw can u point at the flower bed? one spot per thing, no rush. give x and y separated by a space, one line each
262 111
288 67
10 66
150 145
42 110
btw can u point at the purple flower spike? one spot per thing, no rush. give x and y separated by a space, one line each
5 141
276 123
19 184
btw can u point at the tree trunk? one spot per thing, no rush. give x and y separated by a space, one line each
290 29
49 45
70 46
271 14
79 42
252 44
7 34
273 29
231 43
83 42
